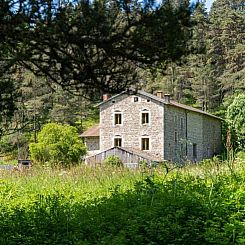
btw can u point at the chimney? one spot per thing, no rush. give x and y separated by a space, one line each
106 97
160 94
167 98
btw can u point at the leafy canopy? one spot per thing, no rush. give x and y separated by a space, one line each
92 45
236 118
58 144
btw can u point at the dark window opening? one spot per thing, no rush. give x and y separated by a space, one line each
118 118
136 99
145 118
145 144
194 151
182 124
117 142
175 137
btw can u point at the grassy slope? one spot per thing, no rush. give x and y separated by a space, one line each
195 205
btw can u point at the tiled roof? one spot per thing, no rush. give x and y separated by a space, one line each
92 132
172 103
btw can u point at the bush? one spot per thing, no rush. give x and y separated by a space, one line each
113 161
236 119
58 144
240 155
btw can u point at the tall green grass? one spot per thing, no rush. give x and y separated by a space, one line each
197 204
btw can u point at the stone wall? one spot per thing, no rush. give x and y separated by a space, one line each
194 136
175 134
92 143
212 138
185 130
131 131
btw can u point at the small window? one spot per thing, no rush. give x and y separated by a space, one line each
118 142
145 144
145 117
113 101
148 100
175 137
118 118
175 119
181 123
194 151
136 99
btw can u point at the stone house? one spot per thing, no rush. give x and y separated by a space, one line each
157 125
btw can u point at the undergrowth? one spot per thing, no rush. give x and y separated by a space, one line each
197 204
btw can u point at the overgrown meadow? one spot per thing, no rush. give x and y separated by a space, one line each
195 204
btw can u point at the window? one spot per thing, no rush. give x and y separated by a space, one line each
136 99
117 141
118 118
145 117
145 144
175 137
181 124
175 120
194 151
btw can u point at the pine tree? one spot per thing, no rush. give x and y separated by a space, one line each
206 89
226 45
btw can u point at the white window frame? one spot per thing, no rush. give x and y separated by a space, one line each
141 143
145 111
114 118
117 137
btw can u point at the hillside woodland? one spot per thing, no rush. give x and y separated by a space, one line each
57 59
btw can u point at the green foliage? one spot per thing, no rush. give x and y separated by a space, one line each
198 204
240 156
111 31
8 97
58 144
113 161
15 145
236 118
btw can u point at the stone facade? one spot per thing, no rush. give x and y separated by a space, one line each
161 127
92 143
190 135
131 130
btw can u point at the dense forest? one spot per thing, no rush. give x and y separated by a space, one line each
58 58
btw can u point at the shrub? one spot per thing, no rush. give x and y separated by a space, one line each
236 119
58 144
113 160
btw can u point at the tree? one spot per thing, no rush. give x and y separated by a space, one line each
226 45
58 144
92 45
8 98
236 118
